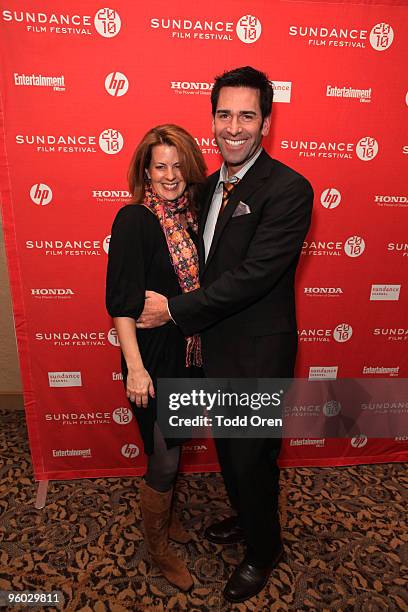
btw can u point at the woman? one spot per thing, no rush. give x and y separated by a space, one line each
152 247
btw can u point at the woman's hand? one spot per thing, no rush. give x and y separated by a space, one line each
139 386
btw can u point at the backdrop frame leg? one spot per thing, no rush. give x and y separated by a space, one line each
41 497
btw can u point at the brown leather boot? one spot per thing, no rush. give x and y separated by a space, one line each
155 507
177 532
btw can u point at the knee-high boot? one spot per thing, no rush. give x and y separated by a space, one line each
156 507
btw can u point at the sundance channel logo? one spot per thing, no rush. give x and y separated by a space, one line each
323 372
365 149
106 22
353 247
110 141
379 38
64 379
247 29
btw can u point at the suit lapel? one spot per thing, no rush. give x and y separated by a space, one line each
255 175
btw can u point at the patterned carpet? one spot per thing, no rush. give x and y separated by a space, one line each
345 534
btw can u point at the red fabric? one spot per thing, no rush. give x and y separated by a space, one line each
66 144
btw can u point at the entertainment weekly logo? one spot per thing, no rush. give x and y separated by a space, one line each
52 293
341 333
64 379
282 90
56 83
78 338
351 93
391 201
323 372
390 293
111 196
317 443
83 453
380 371
353 247
110 141
247 28
391 334
365 149
106 22
379 38
118 416
68 248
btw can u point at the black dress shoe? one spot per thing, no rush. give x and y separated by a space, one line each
247 580
226 531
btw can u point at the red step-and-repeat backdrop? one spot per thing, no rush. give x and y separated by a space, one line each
81 84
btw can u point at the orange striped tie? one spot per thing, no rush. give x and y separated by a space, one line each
227 188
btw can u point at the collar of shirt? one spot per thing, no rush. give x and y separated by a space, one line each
224 178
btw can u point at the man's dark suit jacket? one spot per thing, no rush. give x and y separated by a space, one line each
247 282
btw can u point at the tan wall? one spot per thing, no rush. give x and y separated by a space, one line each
10 381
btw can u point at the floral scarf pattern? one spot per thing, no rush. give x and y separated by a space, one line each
183 252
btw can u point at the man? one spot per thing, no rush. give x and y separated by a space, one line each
255 215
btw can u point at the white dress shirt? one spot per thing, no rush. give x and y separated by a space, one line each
216 201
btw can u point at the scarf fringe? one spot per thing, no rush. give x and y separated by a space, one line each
193 352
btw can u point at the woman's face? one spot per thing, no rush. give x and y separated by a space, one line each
164 172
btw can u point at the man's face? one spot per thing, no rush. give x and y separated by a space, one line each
237 125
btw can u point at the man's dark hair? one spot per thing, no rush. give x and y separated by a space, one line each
246 76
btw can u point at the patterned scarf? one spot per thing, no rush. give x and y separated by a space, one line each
183 252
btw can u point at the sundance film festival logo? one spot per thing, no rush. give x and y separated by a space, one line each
107 22
353 246
105 244
381 36
130 451
367 148
65 248
111 141
342 332
113 337
392 334
122 415
331 408
41 194
330 198
249 29
398 248
116 84
208 145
